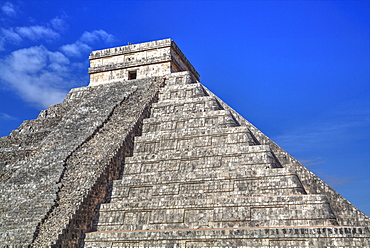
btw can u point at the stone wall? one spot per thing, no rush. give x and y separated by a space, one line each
283 237
117 74
50 199
346 213
25 140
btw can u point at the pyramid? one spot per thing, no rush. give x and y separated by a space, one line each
146 156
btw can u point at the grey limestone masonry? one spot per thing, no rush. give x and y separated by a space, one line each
146 156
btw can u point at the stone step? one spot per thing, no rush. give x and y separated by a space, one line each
212 174
184 106
192 138
219 118
144 193
310 236
230 150
208 203
233 155
179 78
216 213
179 91
172 185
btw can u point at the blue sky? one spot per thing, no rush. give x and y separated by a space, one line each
298 70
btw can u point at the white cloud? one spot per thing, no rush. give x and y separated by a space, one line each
8 9
97 35
11 35
58 57
29 60
37 32
58 23
37 74
8 35
76 49
17 34
33 33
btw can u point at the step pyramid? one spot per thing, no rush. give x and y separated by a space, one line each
146 156
198 177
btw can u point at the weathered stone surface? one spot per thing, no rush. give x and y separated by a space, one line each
64 181
160 161
190 173
346 213
235 237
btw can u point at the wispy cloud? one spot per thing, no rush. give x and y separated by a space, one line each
8 9
312 161
15 35
82 45
97 35
11 35
39 75
75 49
7 117
37 32
324 132
335 180
58 23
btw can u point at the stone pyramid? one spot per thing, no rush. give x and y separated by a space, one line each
146 156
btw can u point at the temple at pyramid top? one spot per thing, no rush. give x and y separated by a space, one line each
137 61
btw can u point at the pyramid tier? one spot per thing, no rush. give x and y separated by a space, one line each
192 139
180 78
254 157
169 185
287 210
219 118
318 236
181 91
184 106
205 175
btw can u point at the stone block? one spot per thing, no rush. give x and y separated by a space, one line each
167 216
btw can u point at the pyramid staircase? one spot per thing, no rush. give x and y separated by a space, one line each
197 178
